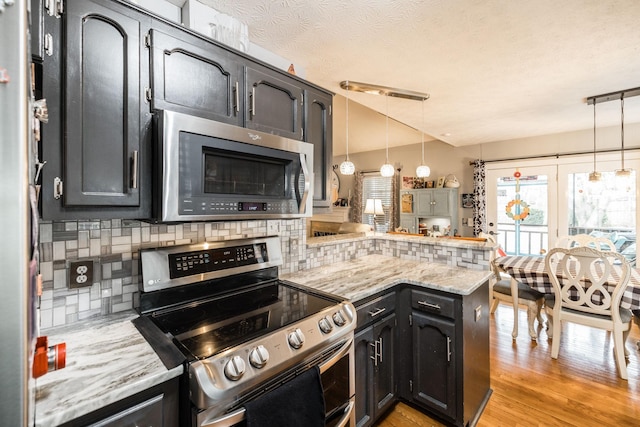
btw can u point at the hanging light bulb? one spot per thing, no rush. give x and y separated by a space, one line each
423 171
622 173
595 175
387 169
347 167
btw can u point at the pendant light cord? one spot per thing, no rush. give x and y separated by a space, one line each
386 97
594 136
422 133
347 117
622 127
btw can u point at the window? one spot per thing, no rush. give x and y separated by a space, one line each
378 187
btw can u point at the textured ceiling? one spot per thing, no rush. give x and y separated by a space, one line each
495 69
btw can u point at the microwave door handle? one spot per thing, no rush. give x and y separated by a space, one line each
302 201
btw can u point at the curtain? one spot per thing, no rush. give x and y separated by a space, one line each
479 198
356 201
394 213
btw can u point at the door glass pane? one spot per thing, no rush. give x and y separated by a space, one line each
523 214
606 208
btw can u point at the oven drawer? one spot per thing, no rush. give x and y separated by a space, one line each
433 303
375 309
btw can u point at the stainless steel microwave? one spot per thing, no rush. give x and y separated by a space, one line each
207 170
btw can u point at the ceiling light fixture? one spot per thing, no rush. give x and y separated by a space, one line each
384 90
595 175
387 169
423 171
624 173
347 167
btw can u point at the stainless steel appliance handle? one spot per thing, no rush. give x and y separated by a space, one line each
235 417
330 362
347 415
302 200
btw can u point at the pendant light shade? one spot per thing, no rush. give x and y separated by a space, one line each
423 171
347 167
387 169
622 173
595 175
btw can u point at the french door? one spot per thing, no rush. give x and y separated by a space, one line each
522 207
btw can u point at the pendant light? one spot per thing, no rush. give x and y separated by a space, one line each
387 169
595 175
622 173
423 171
347 167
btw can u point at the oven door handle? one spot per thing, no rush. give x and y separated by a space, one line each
237 416
330 362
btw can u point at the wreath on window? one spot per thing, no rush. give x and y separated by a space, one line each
524 210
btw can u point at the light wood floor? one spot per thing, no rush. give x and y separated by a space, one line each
580 388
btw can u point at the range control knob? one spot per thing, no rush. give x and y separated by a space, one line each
258 357
338 318
234 369
296 339
325 325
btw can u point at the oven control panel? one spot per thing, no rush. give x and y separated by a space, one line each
208 260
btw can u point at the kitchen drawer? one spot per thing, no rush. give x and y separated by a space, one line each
375 309
433 303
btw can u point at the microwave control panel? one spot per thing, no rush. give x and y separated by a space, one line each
192 207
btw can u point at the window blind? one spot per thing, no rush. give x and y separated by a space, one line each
377 187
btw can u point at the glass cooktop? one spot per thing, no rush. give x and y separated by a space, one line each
204 328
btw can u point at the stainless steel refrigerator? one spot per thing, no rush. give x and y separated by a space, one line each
17 321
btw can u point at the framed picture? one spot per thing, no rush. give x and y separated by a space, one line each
406 203
467 200
418 182
440 182
429 184
407 182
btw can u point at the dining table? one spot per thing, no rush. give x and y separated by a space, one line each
530 270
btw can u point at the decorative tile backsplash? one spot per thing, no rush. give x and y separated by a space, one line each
113 247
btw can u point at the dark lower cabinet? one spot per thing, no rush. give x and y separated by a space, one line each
434 364
375 353
157 407
431 350
450 351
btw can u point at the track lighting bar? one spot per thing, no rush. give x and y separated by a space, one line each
383 90
613 96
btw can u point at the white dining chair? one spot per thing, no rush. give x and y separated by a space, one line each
581 294
503 290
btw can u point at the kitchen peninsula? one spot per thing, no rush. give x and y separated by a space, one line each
462 293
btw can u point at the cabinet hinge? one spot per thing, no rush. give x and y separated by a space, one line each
148 94
57 188
302 132
302 99
330 109
48 44
147 40
411 386
54 7
410 320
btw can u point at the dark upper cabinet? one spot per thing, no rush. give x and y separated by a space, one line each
273 102
36 29
195 77
96 142
102 115
318 130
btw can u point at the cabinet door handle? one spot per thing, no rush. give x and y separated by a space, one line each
429 305
380 354
134 170
375 352
237 90
377 311
448 349
253 102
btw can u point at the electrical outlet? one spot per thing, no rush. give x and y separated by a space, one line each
81 273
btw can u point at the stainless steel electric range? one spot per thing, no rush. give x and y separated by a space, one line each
220 309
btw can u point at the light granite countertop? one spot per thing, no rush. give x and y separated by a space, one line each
107 360
365 276
436 241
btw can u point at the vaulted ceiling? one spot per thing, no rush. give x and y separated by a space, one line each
495 69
